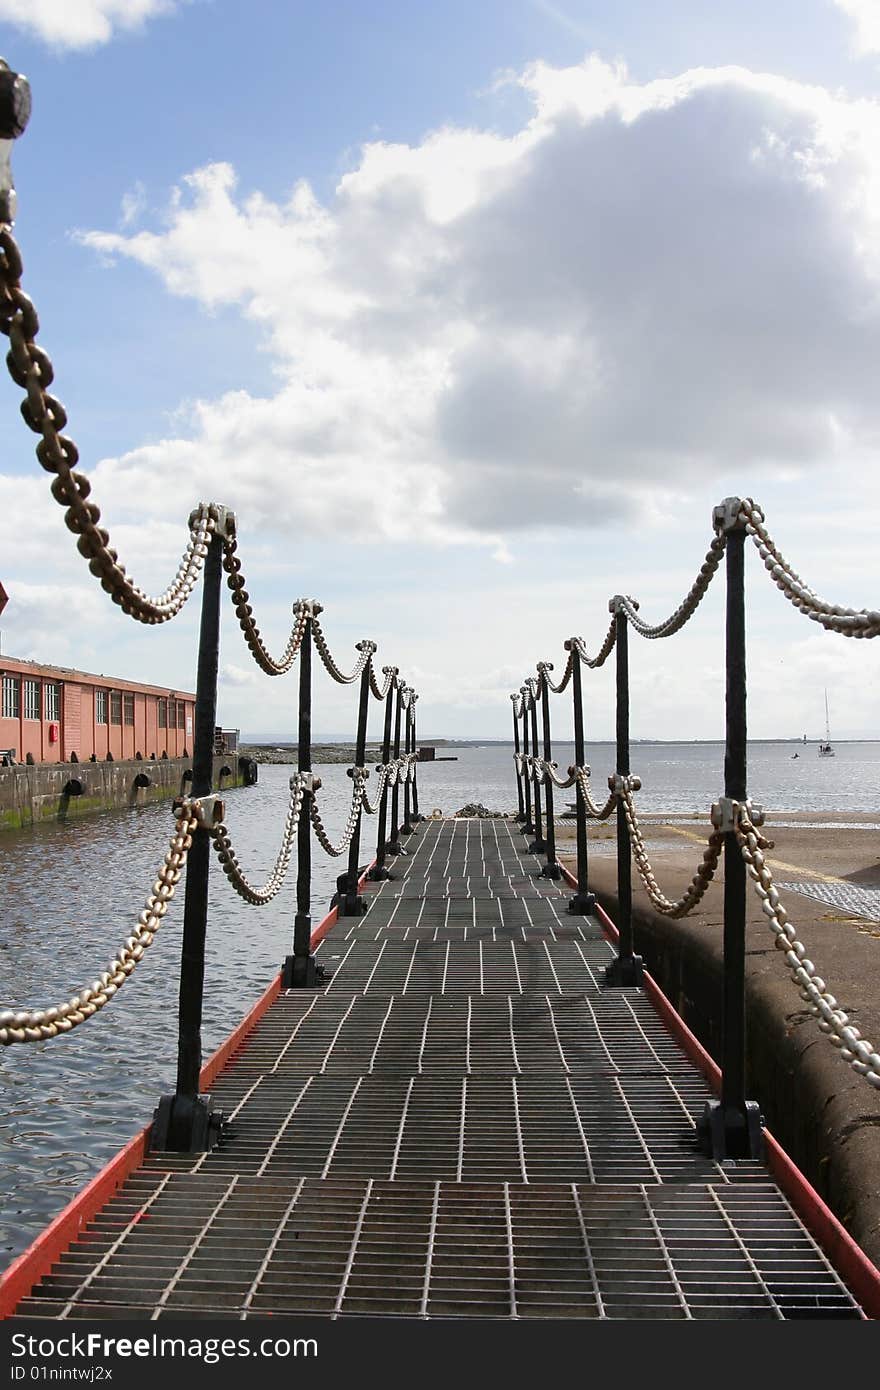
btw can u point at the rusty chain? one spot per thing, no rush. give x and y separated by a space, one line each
36 1025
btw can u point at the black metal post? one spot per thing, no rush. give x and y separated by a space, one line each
583 902
551 869
379 870
520 815
300 970
395 848
407 827
731 1127
351 903
186 1121
539 844
415 783
528 827
627 968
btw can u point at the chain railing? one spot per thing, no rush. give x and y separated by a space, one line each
185 1120
37 1025
730 1127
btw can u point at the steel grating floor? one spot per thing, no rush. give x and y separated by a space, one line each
462 1123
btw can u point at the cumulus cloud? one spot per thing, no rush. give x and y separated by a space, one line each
866 17
80 23
675 278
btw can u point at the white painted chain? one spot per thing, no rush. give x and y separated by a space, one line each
833 1021
849 622
604 651
389 672
365 648
245 613
545 666
594 811
359 776
680 907
689 603
540 770
36 1025
259 897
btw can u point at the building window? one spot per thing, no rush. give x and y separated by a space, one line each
31 699
181 711
128 709
115 706
52 698
10 697
163 714
100 706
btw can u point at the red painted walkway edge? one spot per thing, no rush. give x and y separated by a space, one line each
861 1276
29 1267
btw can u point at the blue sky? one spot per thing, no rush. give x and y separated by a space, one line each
472 311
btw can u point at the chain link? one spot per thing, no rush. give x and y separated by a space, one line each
245 614
833 1021
389 672
689 603
31 368
604 651
849 622
258 897
359 775
36 1025
594 811
680 907
545 666
366 649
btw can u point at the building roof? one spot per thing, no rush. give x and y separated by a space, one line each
11 664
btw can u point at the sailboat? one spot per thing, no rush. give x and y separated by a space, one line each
825 749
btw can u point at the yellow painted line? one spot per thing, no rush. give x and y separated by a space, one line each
774 863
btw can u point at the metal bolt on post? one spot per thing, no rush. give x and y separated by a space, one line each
731 1127
186 1122
627 968
583 901
379 871
300 969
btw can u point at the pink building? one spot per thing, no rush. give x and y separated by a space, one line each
51 713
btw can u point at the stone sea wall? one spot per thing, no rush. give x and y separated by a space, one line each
58 791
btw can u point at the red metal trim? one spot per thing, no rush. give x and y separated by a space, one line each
858 1272
17 1281
215 1064
29 1267
849 1259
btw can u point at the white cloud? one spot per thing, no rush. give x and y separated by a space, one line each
866 16
671 278
80 23
553 351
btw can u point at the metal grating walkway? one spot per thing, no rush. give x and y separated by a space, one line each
461 1123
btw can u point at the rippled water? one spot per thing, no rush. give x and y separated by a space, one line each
71 892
